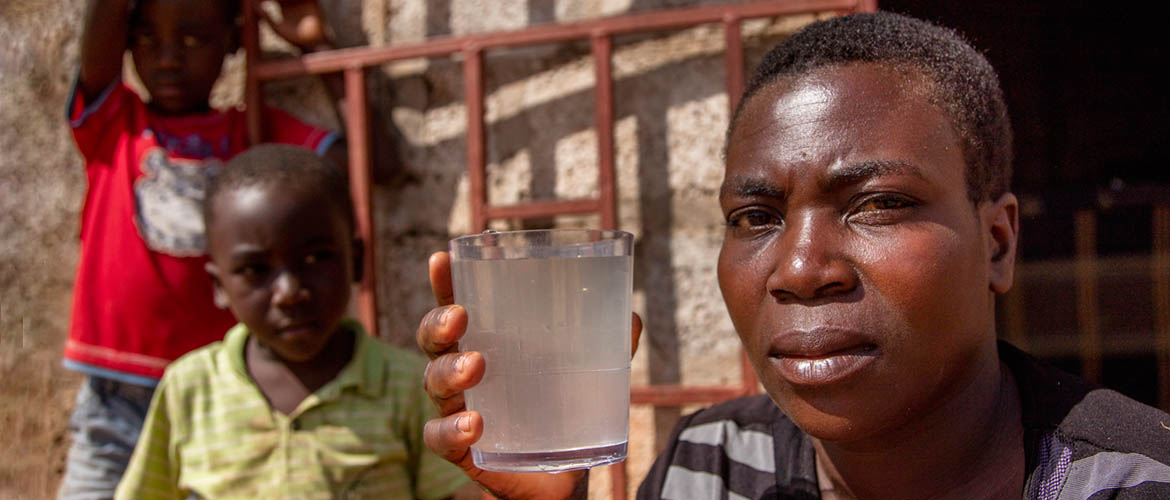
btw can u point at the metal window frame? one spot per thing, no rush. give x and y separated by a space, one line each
351 62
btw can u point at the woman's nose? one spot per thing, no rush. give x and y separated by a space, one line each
812 263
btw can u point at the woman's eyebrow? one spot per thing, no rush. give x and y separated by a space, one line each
858 172
750 188
836 178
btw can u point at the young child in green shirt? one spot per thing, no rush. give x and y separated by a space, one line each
296 401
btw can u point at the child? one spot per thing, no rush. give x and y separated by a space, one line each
141 296
296 401
870 226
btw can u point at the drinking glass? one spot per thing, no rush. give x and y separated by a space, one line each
550 312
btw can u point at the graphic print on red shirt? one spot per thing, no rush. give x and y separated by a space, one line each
141 297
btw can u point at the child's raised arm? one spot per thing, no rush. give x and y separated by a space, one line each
103 43
303 25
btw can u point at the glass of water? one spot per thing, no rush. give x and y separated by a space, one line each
550 312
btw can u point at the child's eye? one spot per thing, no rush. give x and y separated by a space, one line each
192 41
144 40
318 256
252 272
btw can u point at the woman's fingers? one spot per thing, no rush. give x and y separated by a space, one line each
447 376
451 437
439 267
635 334
440 330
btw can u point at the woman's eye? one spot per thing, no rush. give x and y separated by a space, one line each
883 210
885 203
753 218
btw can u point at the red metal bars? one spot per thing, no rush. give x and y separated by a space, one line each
360 181
476 149
602 47
733 69
337 60
541 209
600 32
472 46
733 61
603 109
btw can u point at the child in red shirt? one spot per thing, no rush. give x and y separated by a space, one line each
141 295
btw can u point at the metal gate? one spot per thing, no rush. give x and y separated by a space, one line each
352 63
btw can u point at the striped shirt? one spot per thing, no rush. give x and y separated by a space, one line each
1082 442
210 433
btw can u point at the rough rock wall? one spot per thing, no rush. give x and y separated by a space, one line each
670 108
671 112
41 186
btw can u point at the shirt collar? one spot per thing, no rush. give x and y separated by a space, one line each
366 370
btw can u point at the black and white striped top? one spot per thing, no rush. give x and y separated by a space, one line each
1082 443
744 448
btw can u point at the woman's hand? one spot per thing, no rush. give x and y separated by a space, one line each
449 373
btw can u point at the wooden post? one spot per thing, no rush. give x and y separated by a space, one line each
1160 268
1085 225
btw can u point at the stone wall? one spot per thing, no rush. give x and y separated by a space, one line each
41 189
670 108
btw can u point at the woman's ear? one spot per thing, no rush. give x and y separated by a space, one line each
218 296
1001 219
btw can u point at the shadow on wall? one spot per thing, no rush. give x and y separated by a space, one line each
535 131
412 214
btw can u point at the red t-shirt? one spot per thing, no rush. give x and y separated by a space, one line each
142 297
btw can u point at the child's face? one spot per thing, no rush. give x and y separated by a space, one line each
178 48
854 267
284 261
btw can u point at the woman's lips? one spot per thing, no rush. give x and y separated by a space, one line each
821 356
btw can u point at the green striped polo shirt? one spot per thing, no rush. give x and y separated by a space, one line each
210 432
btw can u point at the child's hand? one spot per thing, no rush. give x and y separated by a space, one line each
301 24
451 372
